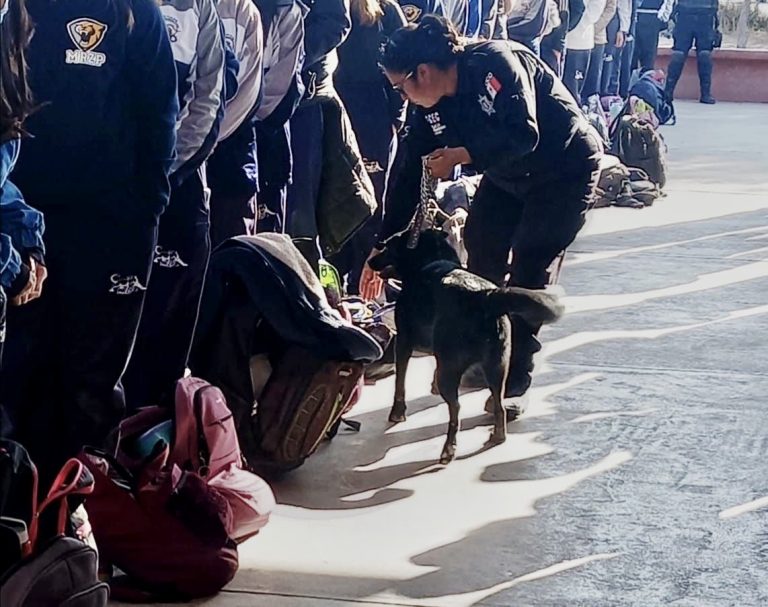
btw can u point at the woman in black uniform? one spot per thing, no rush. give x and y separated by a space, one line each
497 107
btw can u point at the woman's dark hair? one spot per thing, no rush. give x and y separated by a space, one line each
434 40
15 97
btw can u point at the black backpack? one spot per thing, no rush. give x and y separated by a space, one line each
639 145
37 570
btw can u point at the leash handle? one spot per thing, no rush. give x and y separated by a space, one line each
426 194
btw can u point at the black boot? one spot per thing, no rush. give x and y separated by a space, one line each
675 70
704 61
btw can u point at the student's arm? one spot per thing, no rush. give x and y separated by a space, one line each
250 53
283 61
200 118
21 237
152 74
514 110
326 27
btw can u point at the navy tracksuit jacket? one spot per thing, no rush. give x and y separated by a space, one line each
97 167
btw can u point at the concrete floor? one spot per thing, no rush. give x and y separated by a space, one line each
638 474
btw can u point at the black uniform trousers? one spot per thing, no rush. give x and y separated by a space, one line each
306 129
173 299
647 41
65 352
275 166
232 175
370 115
537 224
693 28
575 73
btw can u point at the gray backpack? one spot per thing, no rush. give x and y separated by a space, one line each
55 571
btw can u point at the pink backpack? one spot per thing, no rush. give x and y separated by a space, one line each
203 440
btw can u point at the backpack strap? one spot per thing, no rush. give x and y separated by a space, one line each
72 479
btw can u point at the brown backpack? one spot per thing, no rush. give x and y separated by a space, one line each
303 399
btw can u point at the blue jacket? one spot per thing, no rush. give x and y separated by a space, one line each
105 134
21 227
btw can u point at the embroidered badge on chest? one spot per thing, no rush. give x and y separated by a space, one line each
87 35
438 128
486 104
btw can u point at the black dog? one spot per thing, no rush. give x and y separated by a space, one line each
459 317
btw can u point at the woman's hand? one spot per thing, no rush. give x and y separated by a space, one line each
442 162
34 287
371 284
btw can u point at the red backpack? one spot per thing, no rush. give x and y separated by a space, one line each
204 440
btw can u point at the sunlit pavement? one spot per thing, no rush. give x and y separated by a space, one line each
637 477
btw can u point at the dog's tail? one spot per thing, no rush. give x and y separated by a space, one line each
535 307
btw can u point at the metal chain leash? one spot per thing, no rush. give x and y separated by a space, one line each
427 198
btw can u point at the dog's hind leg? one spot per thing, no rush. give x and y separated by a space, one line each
448 383
403 353
496 376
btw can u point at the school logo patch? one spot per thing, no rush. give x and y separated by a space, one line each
411 12
372 166
168 259
125 285
434 121
87 35
173 26
486 104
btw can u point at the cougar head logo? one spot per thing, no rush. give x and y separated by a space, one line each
411 12
87 34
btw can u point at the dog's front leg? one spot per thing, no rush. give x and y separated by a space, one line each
403 353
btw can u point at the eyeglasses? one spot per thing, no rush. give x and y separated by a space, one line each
399 86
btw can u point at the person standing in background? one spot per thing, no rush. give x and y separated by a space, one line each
579 44
553 44
282 90
183 245
375 111
619 47
22 266
595 70
696 23
103 74
232 170
648 29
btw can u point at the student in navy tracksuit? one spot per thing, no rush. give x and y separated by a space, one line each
326 26
183 244
375 112
282 90
232 169
22 268
97 167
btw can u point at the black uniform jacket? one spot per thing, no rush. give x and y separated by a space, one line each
519 123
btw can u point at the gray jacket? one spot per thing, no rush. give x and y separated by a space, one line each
198 49
244 36
283 54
